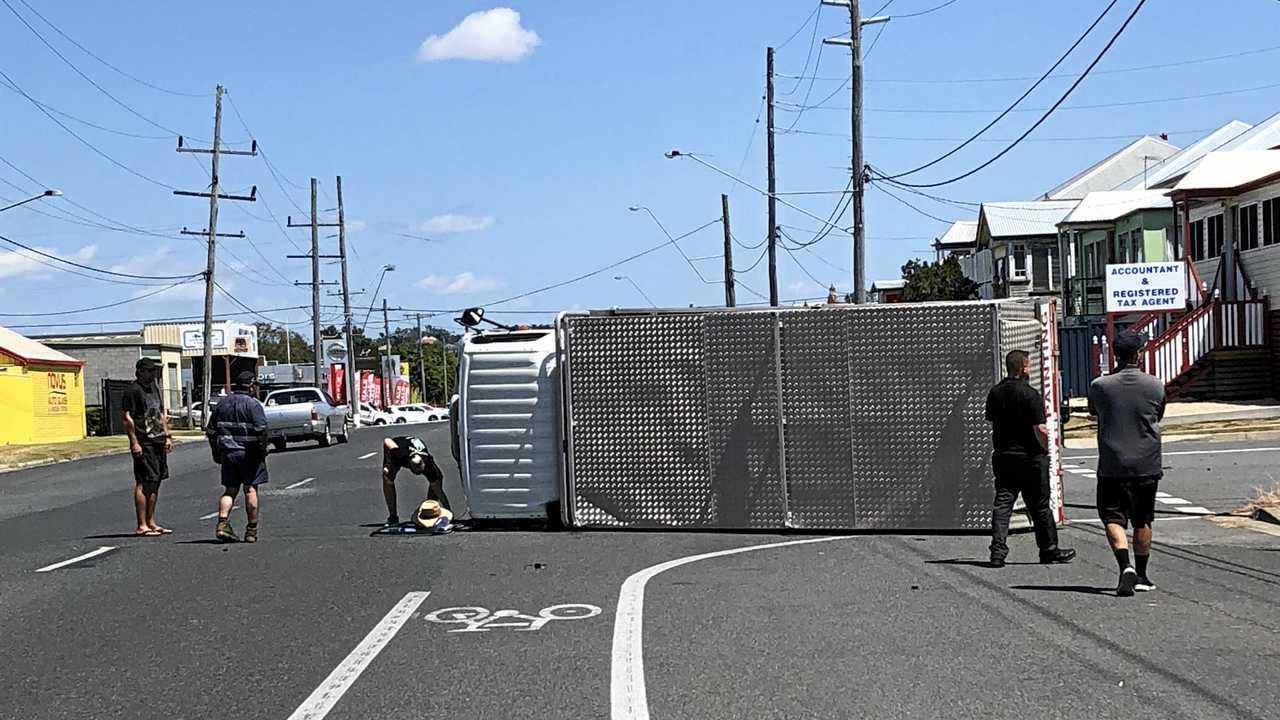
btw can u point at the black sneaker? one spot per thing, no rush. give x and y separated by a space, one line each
1128 581
392 520
996 562
1057 556
1144 584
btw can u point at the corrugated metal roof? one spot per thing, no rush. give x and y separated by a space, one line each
29 351
1113 169
888 285
1263 136
1176 165
1097 207
1229 170
962 233
1023 219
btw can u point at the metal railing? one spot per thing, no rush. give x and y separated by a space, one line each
1215 325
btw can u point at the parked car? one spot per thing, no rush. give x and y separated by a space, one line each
370 415
420 413
196 411
304 414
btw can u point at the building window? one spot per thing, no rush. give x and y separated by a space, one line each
1247 227
1137 253
1271 221
1213 235
1018 270
1197 240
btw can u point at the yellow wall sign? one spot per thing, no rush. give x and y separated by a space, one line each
57 393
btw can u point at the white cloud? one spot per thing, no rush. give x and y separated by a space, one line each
356 226
462 283
451 223
487 36
21 263
147 263
189 291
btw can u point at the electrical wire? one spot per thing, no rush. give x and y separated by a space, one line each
913 207
805 24
1102 53
87 123
1023 96
934 9
77 136
179 318
688 261
802 267
271 168
108 306
755 264
698 159
874 42
251 311
86 78
1075 138
813 41
90 268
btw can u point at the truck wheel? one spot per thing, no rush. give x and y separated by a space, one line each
326 438
279 444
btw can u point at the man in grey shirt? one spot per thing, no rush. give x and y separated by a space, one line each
1129 404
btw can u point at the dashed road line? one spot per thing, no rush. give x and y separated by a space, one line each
214 514
366 456
1177 503
298 484
92 554
323 698
1225 451
1173 501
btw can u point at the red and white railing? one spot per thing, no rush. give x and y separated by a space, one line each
1215 325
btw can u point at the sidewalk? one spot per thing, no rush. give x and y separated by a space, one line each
21 457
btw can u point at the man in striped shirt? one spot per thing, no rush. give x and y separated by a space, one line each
237 433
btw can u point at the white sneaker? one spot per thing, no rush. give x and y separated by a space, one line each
1128 581
1144 584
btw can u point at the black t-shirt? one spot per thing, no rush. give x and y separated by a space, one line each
1015 409
398 457
143 404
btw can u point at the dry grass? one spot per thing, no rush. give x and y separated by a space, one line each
1261 499
15 455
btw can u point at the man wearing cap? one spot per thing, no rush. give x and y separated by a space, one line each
238 438
150 442
411 453
1020 462
1129 405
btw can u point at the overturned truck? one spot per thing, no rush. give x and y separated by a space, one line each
832 418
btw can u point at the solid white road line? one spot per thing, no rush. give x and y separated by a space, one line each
214 514
324 697
1173 501
366 456
298 484
1194 510
1193 452
95 553
627 695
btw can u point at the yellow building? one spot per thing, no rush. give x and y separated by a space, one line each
41 392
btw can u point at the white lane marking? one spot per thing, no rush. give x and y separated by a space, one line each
1195 452
366 456
1174 501
94 553
1071 467
1160 495
1096 521
323 698
627 696
214 514
298 484
1194 510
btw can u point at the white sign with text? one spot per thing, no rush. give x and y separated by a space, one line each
1146 287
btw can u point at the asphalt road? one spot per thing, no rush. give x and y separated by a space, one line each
884 626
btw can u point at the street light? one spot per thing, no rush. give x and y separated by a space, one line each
45 194
637 287
674 242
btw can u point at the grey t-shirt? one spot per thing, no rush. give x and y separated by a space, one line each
1129 405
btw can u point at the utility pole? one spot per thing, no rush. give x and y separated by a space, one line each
422 359
773 184
350 383
730 295
212 231
857 167
386 362
317 361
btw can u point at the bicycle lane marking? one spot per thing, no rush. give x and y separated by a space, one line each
628 699
328 693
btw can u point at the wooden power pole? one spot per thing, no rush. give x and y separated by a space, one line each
350 379
317 362
730 294
773 184
211 232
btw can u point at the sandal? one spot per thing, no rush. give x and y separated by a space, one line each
148 533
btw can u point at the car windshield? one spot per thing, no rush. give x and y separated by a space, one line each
293 397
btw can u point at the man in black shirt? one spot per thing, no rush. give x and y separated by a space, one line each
409 452
150 443
1021 462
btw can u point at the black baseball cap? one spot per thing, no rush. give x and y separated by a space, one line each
246 379
146 363
1128 343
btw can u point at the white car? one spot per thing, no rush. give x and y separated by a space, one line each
420 413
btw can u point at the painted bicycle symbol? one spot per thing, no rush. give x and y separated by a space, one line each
478 619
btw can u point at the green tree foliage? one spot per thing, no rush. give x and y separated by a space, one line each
937 281
271 344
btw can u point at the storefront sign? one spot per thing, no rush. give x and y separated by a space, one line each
57 400
1146 287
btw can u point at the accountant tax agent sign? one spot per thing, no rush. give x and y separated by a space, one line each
1146 287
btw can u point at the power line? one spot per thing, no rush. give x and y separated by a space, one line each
179 318
933 9
1072 138
93 55
803 25
813 40
133 299
86 123
86 78
246 308
913 207
698 159
1102 53
90 268
76 135
1021 97
271 168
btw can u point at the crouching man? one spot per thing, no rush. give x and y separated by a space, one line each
410 453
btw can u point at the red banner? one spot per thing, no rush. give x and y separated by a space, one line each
338 382
376 398
368 392
401 395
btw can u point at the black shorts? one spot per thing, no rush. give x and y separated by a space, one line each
152 466
247 474
1121 500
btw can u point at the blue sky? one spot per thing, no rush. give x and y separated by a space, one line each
521 162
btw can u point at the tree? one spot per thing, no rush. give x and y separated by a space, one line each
937 281
271 344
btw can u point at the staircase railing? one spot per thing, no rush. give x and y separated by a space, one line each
1185 342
